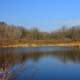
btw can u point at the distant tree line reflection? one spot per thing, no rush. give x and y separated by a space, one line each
11 57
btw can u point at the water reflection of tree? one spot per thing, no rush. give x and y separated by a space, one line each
68 56
10 57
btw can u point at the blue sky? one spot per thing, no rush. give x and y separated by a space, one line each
47 15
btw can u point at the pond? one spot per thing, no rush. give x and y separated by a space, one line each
40 63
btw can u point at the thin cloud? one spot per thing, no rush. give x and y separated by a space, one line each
67 22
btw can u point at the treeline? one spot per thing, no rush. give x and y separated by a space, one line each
10 34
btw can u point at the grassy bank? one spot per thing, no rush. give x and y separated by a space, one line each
38 43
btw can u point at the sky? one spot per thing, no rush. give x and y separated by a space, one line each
47 15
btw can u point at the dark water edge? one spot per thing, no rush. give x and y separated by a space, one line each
40 63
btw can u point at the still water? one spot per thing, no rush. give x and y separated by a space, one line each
40 63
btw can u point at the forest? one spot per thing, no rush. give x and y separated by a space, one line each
11 34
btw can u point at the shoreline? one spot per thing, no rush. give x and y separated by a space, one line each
36 45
